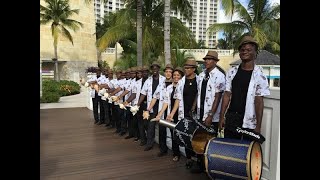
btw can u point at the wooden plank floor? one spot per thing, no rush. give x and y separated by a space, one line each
72 147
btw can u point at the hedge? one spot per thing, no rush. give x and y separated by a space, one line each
53 90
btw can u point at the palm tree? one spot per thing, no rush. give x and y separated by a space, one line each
260 20
152 28
58 12
139 32
186 9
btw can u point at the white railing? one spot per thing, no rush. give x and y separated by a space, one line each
203 52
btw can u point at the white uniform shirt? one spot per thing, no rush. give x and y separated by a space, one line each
258 86
136 89
147 89
178 94
216 83
159 94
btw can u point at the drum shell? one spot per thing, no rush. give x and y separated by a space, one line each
227 158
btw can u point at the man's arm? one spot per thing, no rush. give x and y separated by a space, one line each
214 108
258 103
174 109
141 98
131 97
225 103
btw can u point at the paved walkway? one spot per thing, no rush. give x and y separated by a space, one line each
78 100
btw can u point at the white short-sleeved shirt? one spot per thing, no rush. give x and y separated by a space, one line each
216 83
147 89
258 86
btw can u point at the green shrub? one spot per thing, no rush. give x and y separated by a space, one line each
50 97
67 88
53 90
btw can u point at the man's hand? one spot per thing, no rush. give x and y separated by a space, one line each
208 121
125 103
169 117
257 129
221 123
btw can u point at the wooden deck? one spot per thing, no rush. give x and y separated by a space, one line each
72 147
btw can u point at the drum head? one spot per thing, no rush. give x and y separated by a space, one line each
254 156
200 140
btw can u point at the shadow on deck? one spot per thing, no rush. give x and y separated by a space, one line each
72 147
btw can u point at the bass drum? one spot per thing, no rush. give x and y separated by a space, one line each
227 158
190 134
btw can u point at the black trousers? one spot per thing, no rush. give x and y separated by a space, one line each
129 118
123 120
135 126
151 130
175 145
97 103
142 123
107 112
163 136
102 111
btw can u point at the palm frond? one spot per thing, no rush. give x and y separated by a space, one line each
184 7
233 26
66 34
243 13
113 35
229 7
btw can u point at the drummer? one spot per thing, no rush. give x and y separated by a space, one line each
211 86
185 98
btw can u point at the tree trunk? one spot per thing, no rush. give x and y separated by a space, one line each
56 67
167 49
139 32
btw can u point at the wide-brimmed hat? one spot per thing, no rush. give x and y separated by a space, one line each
133 69
145 68
191 62
248 40
155 63
168 66
212 55
138 69
179 69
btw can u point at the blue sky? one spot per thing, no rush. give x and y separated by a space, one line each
222 18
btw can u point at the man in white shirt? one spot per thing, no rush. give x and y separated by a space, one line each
246 85
148 89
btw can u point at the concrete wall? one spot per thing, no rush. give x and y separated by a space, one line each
82 53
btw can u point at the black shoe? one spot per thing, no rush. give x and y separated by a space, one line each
148 148
189 163
143 143
128 137
136 139
122 133
95 122
99 123
107 125
110 127
117 131
196 169
160 154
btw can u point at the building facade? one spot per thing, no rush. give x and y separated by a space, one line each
205 13
73 59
